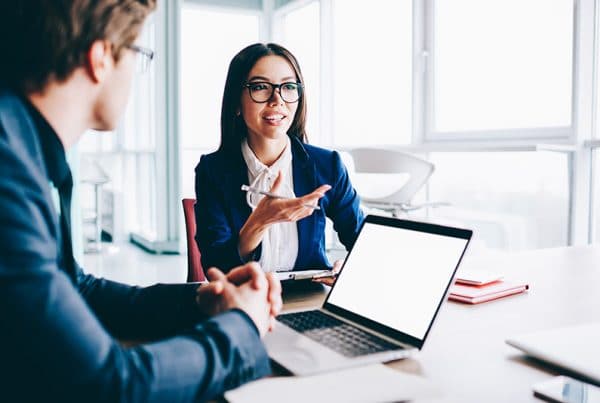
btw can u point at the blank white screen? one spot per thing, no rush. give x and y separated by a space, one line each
397 277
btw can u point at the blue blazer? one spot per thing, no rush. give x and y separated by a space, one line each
221 208
58 325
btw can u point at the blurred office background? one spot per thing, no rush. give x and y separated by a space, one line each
500 95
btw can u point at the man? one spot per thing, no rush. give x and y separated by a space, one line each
66 66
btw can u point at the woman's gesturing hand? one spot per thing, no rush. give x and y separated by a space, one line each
271 210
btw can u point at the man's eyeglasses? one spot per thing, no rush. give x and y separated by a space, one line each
143 59
262 91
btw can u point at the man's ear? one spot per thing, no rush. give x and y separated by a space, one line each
99 60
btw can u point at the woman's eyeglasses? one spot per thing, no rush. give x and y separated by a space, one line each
262 91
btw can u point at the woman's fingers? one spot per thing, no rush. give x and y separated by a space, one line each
314 196
337 265
322 190
290 210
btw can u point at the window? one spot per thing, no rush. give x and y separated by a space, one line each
301 35
128 156
595 149
204 64
596 196
403 73
138 140
508 65
513 200
396 73
373 46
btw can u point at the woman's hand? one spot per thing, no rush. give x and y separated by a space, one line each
330 280
270 211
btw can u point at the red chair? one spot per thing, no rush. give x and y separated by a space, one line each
195 272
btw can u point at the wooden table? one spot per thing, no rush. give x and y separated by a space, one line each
465 353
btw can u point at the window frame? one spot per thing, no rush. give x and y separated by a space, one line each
425 54
326 106
574 139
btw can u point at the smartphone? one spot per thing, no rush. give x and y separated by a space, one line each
562 389
299 275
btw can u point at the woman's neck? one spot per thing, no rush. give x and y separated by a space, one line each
267 150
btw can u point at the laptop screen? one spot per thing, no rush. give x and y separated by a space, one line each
397 273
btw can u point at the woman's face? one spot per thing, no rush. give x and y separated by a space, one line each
269 120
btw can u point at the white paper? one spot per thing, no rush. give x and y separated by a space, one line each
373 383
478 277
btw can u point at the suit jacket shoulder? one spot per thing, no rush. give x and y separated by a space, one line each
26 201
327 162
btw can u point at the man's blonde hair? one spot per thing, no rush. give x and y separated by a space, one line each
42 40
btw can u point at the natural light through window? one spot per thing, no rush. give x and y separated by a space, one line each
301 36
513 200
204 63
209 40
373 72
508 65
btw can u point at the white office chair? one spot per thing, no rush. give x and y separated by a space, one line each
93 175
407 173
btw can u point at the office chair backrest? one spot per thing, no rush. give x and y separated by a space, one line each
380 161
195 272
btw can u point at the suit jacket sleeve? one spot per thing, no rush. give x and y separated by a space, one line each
54 348
215 234
344 207
140 312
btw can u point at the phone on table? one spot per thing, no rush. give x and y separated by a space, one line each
302 275
563 389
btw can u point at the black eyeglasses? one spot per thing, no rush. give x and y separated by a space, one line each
263 91
144 58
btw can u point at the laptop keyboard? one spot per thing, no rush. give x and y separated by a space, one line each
341 337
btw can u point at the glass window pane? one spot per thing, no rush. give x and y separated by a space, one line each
209 40
513 200
139 142
301 35
596 195
508 65
596 133
94 141
127 155
140 191
373 72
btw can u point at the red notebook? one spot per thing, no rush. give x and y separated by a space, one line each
477 294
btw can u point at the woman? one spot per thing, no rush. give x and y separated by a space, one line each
263 144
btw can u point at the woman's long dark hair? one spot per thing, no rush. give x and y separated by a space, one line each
233 127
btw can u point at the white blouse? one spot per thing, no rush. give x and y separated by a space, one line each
280 240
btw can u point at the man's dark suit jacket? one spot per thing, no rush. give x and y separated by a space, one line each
221 207
58 325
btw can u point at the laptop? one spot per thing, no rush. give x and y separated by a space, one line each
382 306
575 348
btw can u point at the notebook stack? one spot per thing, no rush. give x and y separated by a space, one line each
474 287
